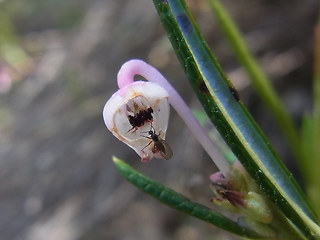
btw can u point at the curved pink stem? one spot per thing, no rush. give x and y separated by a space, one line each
139 67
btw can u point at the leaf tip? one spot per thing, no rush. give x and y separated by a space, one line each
116 161
121 165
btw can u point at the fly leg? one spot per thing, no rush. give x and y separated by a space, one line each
147 144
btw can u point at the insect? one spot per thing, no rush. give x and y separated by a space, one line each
159 145
140 119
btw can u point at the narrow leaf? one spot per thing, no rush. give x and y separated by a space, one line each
313 175
223 106
179 202
258 78
316 74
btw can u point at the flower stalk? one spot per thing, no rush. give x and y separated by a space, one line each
138 67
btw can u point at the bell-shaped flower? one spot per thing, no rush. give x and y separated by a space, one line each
137 114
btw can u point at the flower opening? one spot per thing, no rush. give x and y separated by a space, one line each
135 110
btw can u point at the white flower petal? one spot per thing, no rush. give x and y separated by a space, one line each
133 111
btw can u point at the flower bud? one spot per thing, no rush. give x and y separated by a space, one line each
236 192
257 208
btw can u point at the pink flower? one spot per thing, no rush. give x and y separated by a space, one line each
138 113
133 111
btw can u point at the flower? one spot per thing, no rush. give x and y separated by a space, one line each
237 193
133 111
138 113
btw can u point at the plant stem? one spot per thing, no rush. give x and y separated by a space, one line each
315 176
258 78
316 79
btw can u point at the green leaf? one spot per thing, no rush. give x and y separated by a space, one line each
315 158
311 131
316 74
224 108
307 135
310 141
179 202
258 78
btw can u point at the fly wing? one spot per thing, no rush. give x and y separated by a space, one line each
166 152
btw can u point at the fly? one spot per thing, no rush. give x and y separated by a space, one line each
159 145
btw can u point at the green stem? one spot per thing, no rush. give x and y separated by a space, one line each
315 176
258 78
316 79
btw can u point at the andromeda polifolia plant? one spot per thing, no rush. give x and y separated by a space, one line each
256 187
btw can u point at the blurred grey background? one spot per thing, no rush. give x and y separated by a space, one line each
58 66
